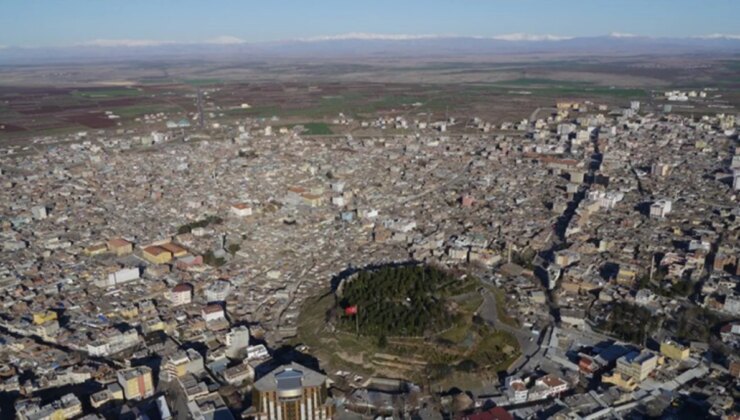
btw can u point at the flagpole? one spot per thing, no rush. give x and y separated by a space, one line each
357 322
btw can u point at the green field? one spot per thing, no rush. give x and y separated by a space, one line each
156 80
106 93
255 111
545 82
733 65
556 88
328 106
624 93
353 104
139 110
202 82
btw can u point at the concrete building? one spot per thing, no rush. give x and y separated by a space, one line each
241 210
182 294
157 255
258 352
136 382
113 342
39 212
122 276
120 246
176 250
637 365
43 317
218 291
67 407
673 350
238 374
732 305
237 341
182 363
112 392
516 390
213 313
659 169
209 407
660 208
96 249
292 392
625 383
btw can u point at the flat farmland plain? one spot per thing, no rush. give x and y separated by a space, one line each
39 100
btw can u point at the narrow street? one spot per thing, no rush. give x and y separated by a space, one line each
559 240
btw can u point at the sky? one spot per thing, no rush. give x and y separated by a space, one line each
40 23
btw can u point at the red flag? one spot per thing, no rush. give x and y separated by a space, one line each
350 310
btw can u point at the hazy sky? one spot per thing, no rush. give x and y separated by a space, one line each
70 22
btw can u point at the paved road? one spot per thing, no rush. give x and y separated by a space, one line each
527 341
533 117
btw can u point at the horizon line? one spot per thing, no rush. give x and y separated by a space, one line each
363 36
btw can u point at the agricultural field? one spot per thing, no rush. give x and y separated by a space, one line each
39 100
94 93
550 87
312 128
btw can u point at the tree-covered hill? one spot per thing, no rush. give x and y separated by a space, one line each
401 301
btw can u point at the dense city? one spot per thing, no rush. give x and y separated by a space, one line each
179 268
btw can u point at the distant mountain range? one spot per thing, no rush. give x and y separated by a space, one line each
374 46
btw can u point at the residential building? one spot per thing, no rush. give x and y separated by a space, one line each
548 386
623 382
237 342
136 382
209 407
182 363
660 208
45 316
732 305
236 375
67 407
517 390
122 276
182 294
113 341
218 291
120 246
673 350
213 313
637 365
176 250
39 212
241 210
96 249
156 255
